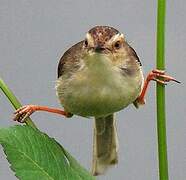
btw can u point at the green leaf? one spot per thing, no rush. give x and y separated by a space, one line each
34 155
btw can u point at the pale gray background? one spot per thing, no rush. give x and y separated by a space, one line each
34 35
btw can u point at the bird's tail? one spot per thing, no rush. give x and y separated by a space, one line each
105 147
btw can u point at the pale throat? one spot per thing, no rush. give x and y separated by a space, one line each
97 63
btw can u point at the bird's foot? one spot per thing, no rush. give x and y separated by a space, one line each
23 112
160 77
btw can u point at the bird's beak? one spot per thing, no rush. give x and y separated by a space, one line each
99 49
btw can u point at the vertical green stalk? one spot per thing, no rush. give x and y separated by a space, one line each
161 116
14 101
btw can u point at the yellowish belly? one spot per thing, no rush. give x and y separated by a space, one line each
90 93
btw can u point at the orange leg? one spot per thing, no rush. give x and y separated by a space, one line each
25 111
154 75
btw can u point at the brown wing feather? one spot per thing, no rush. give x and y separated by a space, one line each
133 53
69 59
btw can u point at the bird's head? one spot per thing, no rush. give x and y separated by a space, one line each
104 40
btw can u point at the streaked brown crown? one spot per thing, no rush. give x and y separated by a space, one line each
102 34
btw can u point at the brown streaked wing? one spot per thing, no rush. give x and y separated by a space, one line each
70 59
133 53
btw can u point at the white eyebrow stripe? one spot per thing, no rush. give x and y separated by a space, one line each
88 36
90 39
117 36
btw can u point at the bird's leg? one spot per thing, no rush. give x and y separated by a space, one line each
155 75
25 111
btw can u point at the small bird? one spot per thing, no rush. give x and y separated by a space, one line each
98 77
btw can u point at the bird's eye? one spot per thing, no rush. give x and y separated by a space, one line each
86 43
117 45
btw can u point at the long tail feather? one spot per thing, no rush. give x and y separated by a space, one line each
105 147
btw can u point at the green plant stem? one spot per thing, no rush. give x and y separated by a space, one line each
14 101
161 115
